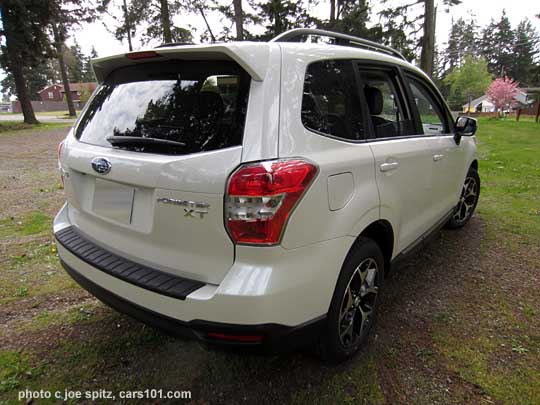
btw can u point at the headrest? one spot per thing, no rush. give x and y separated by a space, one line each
374 100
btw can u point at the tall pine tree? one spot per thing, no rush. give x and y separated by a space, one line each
526 48
498 46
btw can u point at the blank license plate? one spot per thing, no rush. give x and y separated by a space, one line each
113 200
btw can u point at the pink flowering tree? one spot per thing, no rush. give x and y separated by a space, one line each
501 93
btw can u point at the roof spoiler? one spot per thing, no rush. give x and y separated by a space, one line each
252 57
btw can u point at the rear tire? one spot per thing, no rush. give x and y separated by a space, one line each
353 308
467 201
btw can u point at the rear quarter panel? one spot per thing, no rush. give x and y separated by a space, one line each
313 220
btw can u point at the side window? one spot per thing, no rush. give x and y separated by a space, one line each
331 104
386 104
431 116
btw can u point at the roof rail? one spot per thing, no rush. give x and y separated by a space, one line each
340 39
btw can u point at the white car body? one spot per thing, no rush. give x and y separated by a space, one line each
289 284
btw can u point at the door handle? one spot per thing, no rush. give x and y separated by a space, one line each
388 166
437 157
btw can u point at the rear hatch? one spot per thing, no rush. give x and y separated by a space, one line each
149 160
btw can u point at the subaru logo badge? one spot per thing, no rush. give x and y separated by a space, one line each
101 165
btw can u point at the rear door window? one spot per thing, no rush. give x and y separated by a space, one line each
170 108
331 104
386 103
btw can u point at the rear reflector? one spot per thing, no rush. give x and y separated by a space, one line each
236 338
142 55
261 196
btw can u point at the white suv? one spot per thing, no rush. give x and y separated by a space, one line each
255 194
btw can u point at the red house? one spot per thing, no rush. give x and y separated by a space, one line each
52 93
55 92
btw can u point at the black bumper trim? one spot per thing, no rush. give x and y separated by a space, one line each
277 338
124 269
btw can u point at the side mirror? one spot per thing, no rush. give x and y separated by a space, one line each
465 126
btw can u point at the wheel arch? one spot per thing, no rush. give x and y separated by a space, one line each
474 164
382 233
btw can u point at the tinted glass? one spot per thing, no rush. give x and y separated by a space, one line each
330 104
432 119
386 104
196 106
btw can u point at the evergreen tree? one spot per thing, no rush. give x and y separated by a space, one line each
25 45
88 73
526 48
498 46
75 61
38 77
280 16
156 16
462 41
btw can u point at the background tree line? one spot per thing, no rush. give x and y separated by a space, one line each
33 50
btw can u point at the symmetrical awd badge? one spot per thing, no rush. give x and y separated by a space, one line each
191 208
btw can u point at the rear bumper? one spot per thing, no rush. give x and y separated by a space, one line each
282 294
276 338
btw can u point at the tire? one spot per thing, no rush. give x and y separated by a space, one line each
353 308
467 201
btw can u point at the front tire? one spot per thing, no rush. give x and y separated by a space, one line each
467 201
353 308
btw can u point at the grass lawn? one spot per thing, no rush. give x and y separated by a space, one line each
510 167
59 114
10 127
459 323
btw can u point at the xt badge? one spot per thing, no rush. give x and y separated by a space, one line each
191 208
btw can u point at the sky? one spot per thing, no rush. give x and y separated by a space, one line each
484 10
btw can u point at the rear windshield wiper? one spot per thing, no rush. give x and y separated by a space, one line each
137 140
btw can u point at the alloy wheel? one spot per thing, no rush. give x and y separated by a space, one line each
467 201
358 303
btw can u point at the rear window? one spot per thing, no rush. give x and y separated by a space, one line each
170 108
330 104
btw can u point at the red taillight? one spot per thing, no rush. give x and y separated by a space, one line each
261 196
142 55
236 338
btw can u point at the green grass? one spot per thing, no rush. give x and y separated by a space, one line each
33 270
15 370
14 127
509 154
59 114
32 223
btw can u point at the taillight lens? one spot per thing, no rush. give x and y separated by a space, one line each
261 196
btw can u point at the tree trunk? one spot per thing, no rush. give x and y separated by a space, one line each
166 21
59 45
22 94
128 25
15 66
239 19
332 11
207 25
428 40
